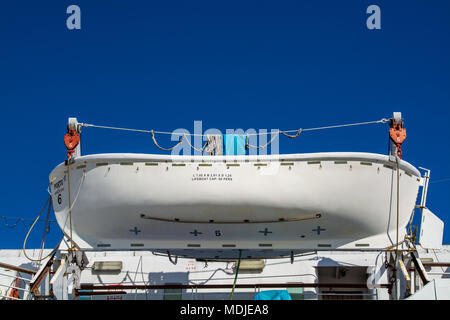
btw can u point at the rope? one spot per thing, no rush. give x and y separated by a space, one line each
164 149
262 147
236 276
298 131
142 276
410 226
398 207
292 136
45 230
441 180
78 191
12 226
135 275
117 128
71 205
247 145
170 258
29 231
189 143
410 231
437 259
347 125
19 220
276 133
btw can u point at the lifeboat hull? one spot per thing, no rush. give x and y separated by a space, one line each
274 203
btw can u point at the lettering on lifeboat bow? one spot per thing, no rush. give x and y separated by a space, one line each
316 215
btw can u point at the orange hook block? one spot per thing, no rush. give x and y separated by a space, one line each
71 140
397 134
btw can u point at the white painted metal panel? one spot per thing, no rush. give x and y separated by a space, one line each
431 230
436 289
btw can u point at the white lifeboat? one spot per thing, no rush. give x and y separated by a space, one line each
213 206
341 200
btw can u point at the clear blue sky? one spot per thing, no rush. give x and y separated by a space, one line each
232 64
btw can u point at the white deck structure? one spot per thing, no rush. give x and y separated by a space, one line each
330 267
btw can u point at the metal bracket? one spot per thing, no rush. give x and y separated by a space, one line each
77 262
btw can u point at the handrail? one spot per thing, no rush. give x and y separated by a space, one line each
14 287
15 277
15 268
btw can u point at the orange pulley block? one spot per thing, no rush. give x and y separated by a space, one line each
71 140
397 134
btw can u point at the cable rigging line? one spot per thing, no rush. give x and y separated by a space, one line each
12 226
19 220
384 120
183 136
29 231
441 180
46 230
